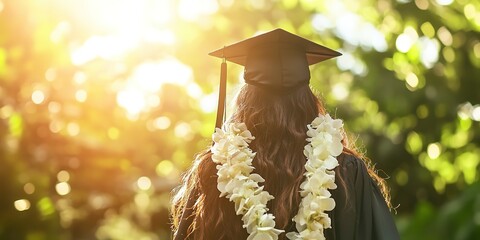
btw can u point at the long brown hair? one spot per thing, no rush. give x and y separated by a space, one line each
278 121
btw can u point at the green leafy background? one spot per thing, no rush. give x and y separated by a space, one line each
103 104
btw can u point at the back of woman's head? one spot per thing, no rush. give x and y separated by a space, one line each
278 119
276 112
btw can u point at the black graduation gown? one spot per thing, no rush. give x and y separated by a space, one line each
360 212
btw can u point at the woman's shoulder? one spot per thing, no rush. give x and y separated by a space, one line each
352 168
350 160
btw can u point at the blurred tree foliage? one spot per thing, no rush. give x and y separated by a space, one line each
104 103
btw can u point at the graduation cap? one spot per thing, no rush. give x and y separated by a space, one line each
273 60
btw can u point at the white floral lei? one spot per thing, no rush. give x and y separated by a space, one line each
239 185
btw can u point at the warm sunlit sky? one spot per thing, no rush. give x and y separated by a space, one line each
113 29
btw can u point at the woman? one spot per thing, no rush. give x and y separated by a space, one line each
281 167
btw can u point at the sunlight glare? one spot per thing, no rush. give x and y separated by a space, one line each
194 91
150 76
141 90
60 31
192 10
131 100
160 36
106 47
208 103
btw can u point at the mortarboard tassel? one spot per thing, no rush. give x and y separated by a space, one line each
222 95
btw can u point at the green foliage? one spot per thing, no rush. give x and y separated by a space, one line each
103 104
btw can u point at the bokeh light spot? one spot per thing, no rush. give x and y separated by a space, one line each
79 78
142 199
162 123
444 2
6 111
113 133
54 107
63 176
422 111
55 126
429 51
406 40
73 129
144 183
164 168
50 74
422 4
449 54
445 36
45 206
62 188
428 29
412 80
208 103
182 130
476 113
434 150
22 204
81 95
469 11
340 91
476 50
29 188
401 178
38 96
414 143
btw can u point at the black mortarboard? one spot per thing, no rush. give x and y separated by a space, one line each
276 59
